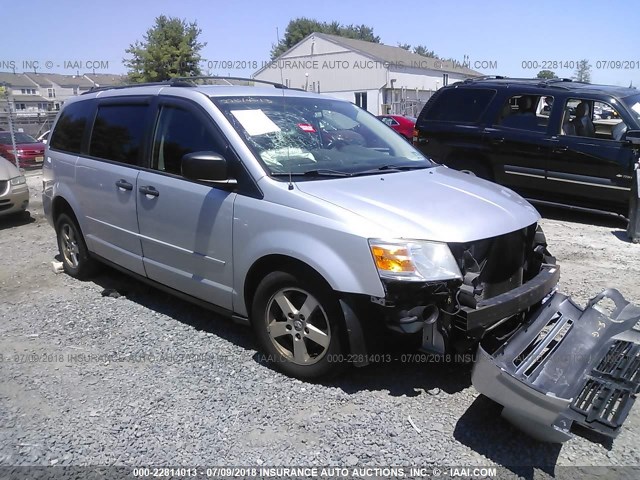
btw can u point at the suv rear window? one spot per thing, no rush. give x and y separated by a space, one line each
67 136
463 105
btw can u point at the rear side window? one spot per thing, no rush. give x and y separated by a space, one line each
463 105
67 136
118 133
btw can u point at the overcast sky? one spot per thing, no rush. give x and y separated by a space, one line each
62 36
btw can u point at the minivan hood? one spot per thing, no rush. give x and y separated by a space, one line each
437 204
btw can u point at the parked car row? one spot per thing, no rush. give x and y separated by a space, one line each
309 220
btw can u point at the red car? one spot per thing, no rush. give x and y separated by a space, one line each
403 125
30 152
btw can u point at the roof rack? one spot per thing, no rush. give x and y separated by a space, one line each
128 85
190 81
538 82
184 82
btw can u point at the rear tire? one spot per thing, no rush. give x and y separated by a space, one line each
75 256
299 325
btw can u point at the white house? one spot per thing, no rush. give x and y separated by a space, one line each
58 88
377 77
24 94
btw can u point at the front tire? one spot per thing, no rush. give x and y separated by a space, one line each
299 325
75 256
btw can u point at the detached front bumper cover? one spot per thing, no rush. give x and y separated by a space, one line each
566 365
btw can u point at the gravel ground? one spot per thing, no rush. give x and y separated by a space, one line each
146 379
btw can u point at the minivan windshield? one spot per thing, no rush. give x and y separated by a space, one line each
317 137
633 102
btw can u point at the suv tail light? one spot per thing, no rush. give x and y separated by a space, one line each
419 139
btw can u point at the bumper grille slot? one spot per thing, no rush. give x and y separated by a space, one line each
612 386
622 361
543 345
603 403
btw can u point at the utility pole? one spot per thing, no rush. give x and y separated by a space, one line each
5 87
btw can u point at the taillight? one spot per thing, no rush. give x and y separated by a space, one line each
419 138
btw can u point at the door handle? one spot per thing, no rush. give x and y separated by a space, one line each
123 184
497 141
149 190
561 149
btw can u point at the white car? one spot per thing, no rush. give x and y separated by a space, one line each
14 193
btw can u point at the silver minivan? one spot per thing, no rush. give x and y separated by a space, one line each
298 214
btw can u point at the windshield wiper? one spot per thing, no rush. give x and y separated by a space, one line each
319 172
392 168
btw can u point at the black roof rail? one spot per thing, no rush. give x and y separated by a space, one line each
128 85
190 81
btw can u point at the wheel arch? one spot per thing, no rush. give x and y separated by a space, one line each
61 205
274 262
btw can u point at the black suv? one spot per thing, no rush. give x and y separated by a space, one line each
556 141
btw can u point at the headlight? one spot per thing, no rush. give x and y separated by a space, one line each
16 152
18 180
414 260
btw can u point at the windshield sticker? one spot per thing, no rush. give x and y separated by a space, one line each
255 122
306 127
636 107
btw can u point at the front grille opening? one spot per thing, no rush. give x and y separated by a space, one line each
535 343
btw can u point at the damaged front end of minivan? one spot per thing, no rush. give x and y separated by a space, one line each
497 281
548 362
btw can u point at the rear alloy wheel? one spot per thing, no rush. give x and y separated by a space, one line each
298 323
73 250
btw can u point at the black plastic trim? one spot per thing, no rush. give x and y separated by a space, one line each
512 302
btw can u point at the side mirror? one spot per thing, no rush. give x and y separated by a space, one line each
633 137
207 166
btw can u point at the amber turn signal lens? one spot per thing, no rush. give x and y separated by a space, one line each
392 258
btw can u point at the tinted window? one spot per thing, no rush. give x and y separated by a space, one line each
460 105
69 130
178 133
118 133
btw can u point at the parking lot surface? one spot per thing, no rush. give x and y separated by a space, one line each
113 372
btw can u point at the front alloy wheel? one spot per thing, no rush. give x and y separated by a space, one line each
298 326
298 323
